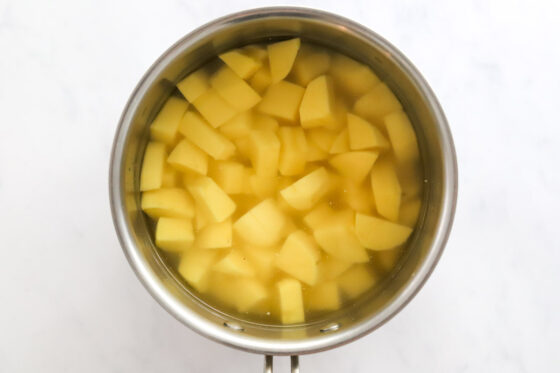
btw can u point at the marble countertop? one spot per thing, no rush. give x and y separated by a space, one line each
69 301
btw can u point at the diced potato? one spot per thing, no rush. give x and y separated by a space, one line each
235 263
307 191
237 92
170 178
320 215
281 57
291 301
351 76
210 140
201 217
261 80
214 108
223 288
230 176
354 165
341 143
386 189
309 64
265 123
188 157
356 281
168 202
377 103
262 259
239 126
153 165
409 212
216 202
330 268
195 266
340 111
263 186
215 236
364 135
166 123
293 150
314 153
323 138
194 85
379 234
339 241
241 63
263 225
174 234
298 257
257 52
324 296
282 100
358 197
317 104
403 138
251 293
265 152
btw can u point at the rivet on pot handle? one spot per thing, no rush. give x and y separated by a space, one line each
293 359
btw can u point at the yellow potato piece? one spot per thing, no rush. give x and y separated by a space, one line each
210 140
257 52
242 293
354 165
307 191
262 259
298 257
339 241
153 166
351 76
195 266
214 108
380 234
341 143
293 151
168 202
319 215
322 137
265 152
201 217
291 301
263 225
166 123
239 126
356 281
317 104
331 268
309 64
194 85
364 135
358 196
265 122
314 153
402 137
261 80
282 100
263 186
241 63
235 263
409 212
237 92
215 236
216 202
170 178
229 175
281 57
377 103
174 234
188 157
324 296
386 189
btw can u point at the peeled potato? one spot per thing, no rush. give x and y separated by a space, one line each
379 234
281 57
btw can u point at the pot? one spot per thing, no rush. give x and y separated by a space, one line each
438 162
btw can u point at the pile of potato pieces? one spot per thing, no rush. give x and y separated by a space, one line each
285 175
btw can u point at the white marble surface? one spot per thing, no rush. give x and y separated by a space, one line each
68 299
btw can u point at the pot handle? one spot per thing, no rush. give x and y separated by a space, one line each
294 363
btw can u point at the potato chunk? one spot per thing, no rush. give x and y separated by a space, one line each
237 92
242 293
210 140
341 143
215 236
262 186
356 281
230 176
195 266
293 150
171 178
282 100
291 301
263 225
307 191
234 263
351 76
265 152
168 202
317 104
324 296
298 257
354 165
262 259
379 234
339 241
166 123
281 57
241 63
364 135
174 234
214 108
153 165
239 126
377 103
194 85
331 268
386 189
261 80
358 196
403 138
309 64
216 202
322 137
314 153
187 157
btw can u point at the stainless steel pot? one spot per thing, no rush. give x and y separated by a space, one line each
438 159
